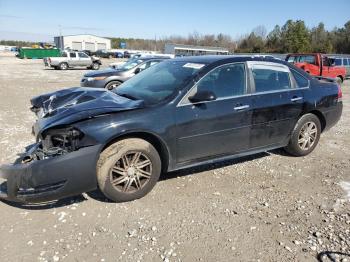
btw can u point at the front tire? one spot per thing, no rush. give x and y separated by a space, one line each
128 169
305 136
63 66
95 66
113 84
339 80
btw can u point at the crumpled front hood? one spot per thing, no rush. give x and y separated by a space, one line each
70 105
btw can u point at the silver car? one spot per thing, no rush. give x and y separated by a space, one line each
113 77
70 59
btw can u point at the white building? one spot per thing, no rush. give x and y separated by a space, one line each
190 50
82 42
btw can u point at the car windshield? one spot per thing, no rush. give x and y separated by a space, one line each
130 64
158 82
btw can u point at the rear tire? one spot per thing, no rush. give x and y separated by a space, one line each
128 169
305 136
112 85
339 80
95 66
63 66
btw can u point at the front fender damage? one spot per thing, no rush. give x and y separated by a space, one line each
60 165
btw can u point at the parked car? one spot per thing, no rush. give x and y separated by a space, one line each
127 54
119 55
317 65
88 52
113 77
116 65
71 59
105 54
342 61
179 113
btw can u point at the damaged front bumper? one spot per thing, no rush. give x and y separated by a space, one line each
32 180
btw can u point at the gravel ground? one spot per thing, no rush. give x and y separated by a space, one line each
267 207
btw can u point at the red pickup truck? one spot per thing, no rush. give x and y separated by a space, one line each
318 65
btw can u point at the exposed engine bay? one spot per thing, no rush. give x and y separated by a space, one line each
56 142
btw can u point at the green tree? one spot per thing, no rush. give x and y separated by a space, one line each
273 43
295 37
251 44
321 39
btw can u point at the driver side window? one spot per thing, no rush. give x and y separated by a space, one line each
224 81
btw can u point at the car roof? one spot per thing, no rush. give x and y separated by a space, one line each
151 58
209 59
305 53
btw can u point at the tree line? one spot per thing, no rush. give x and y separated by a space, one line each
195 38
293 36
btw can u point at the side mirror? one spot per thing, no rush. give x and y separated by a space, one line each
137 70
202 96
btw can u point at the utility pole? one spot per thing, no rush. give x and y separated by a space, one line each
61 40
155 42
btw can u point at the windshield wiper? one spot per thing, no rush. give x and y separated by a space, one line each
127 96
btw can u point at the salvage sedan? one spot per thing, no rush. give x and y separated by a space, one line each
177 114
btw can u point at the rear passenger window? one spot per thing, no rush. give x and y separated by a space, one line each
301 81
72 55
310 59
291 59
270 78
225 81
346 61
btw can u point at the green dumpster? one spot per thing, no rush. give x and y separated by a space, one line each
37 53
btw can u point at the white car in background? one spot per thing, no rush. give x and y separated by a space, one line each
138 56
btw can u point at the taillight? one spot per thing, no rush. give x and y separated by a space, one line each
340 94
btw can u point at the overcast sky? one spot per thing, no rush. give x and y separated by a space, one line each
41 20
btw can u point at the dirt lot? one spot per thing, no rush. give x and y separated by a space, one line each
268 207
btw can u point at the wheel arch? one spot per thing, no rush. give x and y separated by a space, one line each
321 117
341 78
151 138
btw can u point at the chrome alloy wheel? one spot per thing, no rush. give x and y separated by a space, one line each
111 87
131 172
307 136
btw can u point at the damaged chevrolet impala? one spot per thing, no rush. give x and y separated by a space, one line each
180 113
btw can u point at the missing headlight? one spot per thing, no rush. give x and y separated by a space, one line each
57 141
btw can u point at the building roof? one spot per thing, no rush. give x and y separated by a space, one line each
85 35
193 47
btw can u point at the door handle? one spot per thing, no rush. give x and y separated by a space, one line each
295 99
238 108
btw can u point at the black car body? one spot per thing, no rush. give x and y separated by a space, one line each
204 109
112 77
104 54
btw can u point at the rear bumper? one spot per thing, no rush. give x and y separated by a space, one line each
49 179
